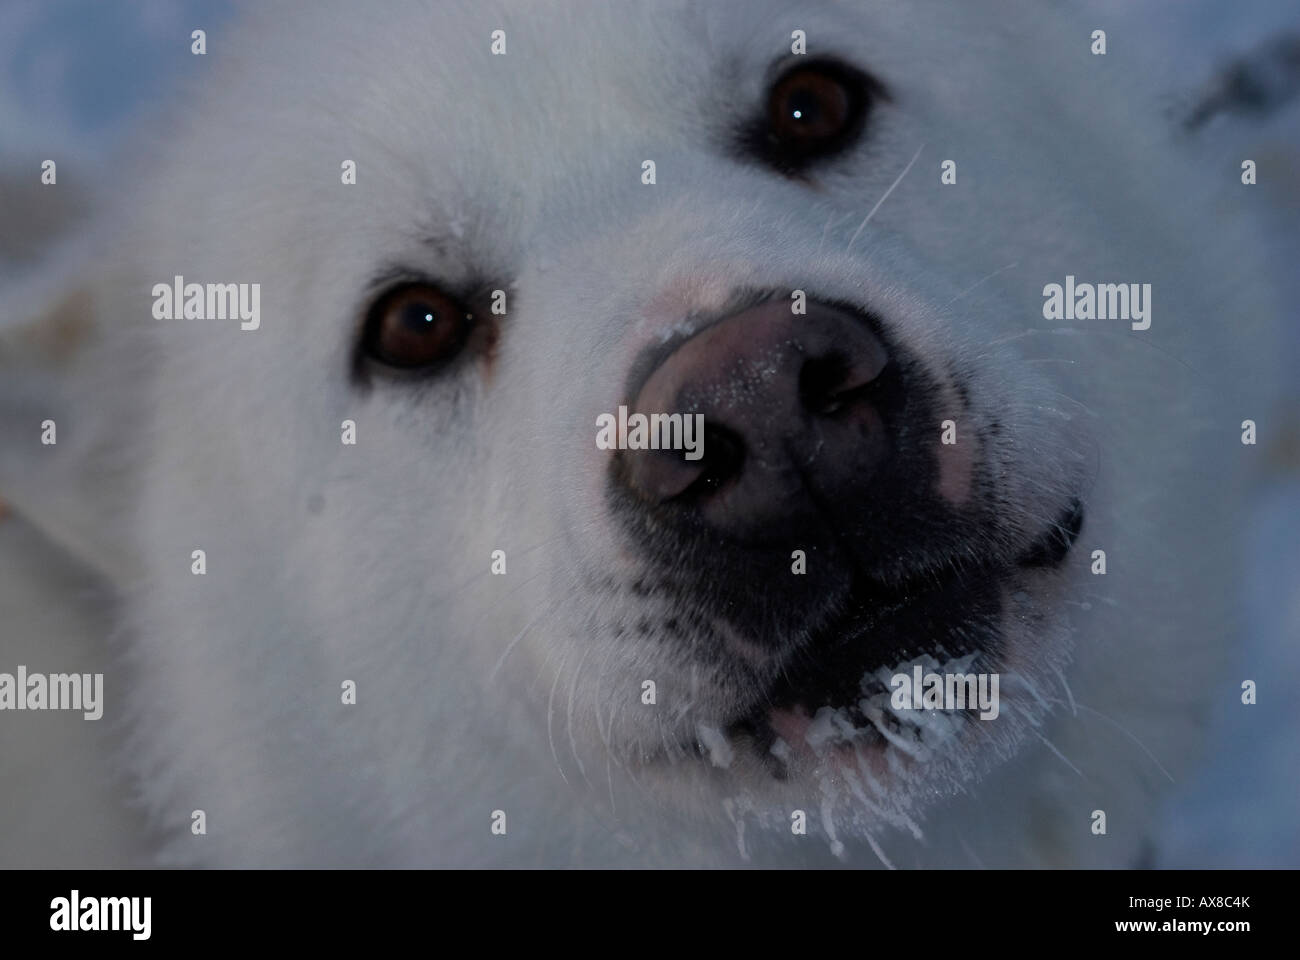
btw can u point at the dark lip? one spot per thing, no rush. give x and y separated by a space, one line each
882 624
1051 548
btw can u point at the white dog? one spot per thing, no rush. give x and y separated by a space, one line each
433 622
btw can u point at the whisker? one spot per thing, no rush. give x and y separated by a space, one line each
550 608
1124 730
1068 692
550 724
573 745
1083 331
1051 746
868 217
977 283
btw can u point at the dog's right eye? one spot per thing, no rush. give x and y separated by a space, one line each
415 326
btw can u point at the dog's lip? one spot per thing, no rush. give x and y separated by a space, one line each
782 716
789 721
1051 548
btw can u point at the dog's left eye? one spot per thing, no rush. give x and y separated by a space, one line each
814 111
416 326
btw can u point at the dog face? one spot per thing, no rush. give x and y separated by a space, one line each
894 471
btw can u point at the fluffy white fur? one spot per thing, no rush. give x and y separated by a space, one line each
370 563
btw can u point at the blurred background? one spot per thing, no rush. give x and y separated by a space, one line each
78 78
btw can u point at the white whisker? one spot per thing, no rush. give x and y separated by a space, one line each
550 724
573 745
1051 746
977 283
868 217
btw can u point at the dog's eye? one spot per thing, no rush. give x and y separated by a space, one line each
814 111
416 325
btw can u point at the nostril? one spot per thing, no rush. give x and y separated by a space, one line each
723 460
820 383
664 475
828 382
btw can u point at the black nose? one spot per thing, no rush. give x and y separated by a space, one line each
794 409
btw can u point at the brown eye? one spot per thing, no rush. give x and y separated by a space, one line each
416 325
814 110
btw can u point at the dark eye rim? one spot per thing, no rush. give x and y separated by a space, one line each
366 361
759 142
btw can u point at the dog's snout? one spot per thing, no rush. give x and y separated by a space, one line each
790 416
